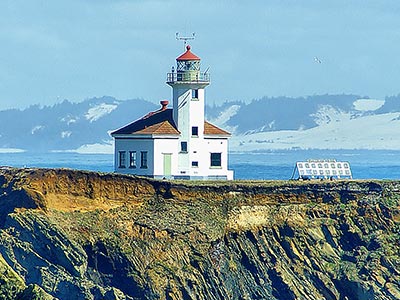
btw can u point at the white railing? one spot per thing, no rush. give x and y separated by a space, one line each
188 77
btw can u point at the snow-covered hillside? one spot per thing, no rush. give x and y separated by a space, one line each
81 127
98 111
360 124
367 132
368 104
320 122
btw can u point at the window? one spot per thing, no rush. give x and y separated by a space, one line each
143 159
183 146
195 163
132 159
122 159
215 159
195 94
188 65
195 131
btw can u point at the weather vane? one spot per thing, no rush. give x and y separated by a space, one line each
184 39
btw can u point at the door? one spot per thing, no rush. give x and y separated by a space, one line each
167 164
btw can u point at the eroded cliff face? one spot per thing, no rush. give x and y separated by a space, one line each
83 235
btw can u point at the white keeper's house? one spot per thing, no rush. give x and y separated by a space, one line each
175 143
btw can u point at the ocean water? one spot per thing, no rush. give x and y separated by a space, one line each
365 164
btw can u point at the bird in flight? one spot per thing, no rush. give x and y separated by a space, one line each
317 60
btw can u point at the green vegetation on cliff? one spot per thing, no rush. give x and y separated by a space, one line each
84 235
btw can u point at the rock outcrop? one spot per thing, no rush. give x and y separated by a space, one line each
82 235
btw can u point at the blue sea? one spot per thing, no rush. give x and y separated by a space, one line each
365 164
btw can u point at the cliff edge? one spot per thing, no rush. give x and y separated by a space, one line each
68 234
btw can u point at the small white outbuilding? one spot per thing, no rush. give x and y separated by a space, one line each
175 143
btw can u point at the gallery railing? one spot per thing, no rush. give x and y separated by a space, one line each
188 77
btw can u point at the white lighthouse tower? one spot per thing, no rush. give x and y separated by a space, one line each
188 85
203 146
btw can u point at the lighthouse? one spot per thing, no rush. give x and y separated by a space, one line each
188 85
176 143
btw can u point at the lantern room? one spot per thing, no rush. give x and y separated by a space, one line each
187 69
188 61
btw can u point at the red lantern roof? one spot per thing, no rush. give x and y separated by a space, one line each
188 55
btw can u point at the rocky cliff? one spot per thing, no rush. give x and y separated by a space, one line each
80 235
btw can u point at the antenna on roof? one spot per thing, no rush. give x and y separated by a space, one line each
184 39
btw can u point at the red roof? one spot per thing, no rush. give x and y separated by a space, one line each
188 55
210 129
158 122
160 128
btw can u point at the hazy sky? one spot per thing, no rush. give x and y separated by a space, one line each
55 50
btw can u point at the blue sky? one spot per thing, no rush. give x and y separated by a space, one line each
55 50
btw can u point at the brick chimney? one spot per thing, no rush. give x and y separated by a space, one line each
164 104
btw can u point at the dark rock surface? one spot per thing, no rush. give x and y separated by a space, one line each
82 235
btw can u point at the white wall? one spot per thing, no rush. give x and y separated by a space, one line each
155 157
165 146
214 146
137 145
196 148
188 113
181 93
196 114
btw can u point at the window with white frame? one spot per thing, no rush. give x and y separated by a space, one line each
132 159
195 131
122 159
215 160
184 147
143 159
